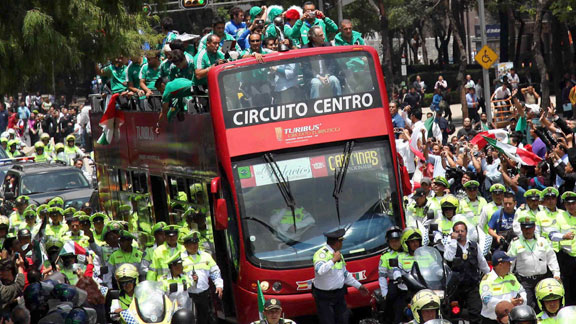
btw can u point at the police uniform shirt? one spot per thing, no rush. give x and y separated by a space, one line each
494 289
205 268
450 253
329 277
533 257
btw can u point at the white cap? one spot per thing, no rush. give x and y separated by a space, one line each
534 108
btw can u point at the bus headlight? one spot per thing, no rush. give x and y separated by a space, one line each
264 285
277 286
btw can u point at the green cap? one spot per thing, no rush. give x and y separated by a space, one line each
158 227
82 217
127 235
532 194
174 259
527 219
69 210
441 181
56 210
274 11
471 183
569 196
171 230
56 201
53 242
32 206
29 213
549 192
110 227
79 213
98 215
254 11
44 208
192 237
22 199
497 188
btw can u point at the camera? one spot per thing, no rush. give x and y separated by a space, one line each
259 22
312 14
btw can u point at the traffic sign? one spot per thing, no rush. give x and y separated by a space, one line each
486 57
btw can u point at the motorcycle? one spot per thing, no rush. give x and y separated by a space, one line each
428 272
149 305
566 315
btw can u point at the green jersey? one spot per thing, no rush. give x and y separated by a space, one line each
150 76
117 77
205 59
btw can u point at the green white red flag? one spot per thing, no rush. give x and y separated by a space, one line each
517 154
111 122
497 134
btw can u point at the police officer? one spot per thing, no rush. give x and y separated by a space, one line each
17 216
499 285
158 266
425 306
273 313
72 151
522 315
126 253
472 203
439 186
550 297
76 234
445 221
497 192
411 240
176 282
564 236
159 239
40 155
534 256
531 208
330 280
394 296
467 264
98 221
417 210
56 228
127 278
547 217
201 267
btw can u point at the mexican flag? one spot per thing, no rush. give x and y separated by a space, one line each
497 134
111 122
261 301
72 247
517 154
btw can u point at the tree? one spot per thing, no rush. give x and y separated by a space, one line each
40 39
463 60
539 9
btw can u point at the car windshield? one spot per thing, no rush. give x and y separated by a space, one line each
299 87
53 181
368 203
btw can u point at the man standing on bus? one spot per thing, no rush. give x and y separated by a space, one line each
347 36
207 58
331 279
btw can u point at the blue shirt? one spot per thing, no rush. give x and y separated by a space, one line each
23 112
398 121
232 29
501 225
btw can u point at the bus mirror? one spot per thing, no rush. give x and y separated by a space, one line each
221 214
215 185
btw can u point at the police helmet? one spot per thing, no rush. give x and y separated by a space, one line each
183 316
449 202
522 314
410 234
423 300
126 271
549 289
394 232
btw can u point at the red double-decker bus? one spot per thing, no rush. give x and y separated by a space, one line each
291 148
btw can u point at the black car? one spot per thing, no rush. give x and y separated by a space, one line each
43 181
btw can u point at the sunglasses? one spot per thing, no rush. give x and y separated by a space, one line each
255 41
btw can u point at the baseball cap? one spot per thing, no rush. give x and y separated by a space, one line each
419 193
501 256
426 180
272 303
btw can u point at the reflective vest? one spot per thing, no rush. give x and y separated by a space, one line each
158 267
41 157
547 320
81 239
406 261
56 231
494 288
567 223
72 275
474 207
324 254
16 220
124 300
385 268
181 283
119 257
548 222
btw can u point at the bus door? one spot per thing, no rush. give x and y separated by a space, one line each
159 199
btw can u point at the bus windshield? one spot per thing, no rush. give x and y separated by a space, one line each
278 238
299 87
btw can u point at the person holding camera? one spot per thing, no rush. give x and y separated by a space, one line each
218 29
467 264
501 221
313 17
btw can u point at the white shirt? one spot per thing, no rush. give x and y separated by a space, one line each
533 257
403 148
439 170
450 254
501 93
328 278
513 80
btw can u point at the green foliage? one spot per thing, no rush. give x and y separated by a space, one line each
37 36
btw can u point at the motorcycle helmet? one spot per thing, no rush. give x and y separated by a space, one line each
549 289
449 201
393 232
183 316
522 314
77 316
127 273
410 234
423 300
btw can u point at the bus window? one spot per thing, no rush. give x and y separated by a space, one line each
178 189
125 184
139 182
